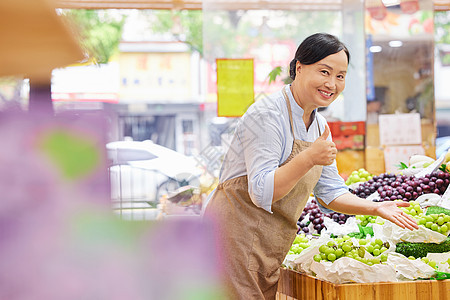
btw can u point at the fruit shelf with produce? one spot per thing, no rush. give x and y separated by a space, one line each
429 199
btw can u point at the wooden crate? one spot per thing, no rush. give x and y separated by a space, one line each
374 160
294 285
348 161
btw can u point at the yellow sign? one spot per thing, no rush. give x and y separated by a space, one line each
234 86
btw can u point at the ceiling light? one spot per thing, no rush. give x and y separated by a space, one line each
375 49
395 44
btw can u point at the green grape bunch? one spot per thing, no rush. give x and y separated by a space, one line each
376 247
301 242
365 220
345 247
436 222
361 175
426 260
414 209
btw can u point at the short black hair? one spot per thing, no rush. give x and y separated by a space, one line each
315 48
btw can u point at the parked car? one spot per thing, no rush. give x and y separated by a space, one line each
142 171
442 145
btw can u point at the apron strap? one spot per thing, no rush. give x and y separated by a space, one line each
289 110
290 114
318 127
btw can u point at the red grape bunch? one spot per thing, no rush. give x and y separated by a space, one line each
392 187
316 217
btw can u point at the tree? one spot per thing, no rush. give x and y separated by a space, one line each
442 25
99 32
184 25
187 26
276 72
442 33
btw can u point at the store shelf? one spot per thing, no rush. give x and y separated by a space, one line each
294 285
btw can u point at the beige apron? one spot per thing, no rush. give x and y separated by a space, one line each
254 241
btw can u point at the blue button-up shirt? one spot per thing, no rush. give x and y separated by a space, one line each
263 140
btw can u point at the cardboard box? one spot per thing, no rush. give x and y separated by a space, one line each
294 285
348 161
355 142
347 128
373 136
375 160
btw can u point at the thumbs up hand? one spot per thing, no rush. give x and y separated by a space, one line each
323 152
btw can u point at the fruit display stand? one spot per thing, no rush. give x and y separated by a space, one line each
294 285
393 263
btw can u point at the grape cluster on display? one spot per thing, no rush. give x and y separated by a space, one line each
361 175
345 247
316 217
365 219
300 243
435 222
392 187
426 260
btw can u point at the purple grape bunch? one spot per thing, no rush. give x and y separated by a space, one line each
392 187
316 217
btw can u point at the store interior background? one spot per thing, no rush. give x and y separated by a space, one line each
58 109
160 83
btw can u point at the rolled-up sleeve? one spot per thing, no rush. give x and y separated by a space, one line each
330 186
261 135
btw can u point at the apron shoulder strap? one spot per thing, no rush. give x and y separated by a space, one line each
289 110
318 126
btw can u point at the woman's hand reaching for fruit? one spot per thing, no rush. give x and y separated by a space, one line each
391 211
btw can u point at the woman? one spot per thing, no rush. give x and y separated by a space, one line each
281 152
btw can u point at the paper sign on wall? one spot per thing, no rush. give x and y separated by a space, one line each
235 91
400 129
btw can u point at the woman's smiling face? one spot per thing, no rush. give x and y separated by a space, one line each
319 84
